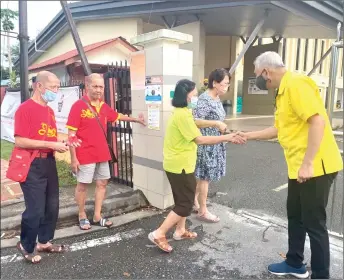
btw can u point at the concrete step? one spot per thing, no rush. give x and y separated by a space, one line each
119 200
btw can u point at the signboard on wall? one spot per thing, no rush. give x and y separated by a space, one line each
253 89
153 90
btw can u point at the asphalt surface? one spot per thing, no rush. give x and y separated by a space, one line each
234 248
253 172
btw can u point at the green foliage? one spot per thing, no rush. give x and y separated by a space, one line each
7 18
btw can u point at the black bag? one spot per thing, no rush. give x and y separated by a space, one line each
113 156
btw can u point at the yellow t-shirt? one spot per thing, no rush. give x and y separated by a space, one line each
180 151
299 99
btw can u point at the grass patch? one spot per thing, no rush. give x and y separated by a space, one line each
63 168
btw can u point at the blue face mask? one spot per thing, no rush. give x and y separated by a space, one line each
49 96
193 103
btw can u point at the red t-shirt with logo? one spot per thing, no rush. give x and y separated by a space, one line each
94 146
36 122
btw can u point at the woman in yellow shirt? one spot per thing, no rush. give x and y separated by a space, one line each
180 154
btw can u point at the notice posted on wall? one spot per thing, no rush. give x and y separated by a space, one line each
253 89
153 94
154 117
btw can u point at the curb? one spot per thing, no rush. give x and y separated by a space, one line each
75 231
68 215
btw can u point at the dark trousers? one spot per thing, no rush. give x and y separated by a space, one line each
183 189
41 195
306 210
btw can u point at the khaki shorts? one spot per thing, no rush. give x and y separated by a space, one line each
93 171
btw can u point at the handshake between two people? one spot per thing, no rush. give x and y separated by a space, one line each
237 137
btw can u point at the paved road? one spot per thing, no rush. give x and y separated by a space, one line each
235 248
253 172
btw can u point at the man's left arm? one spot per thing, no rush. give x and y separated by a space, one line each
308 107
126 118
114 116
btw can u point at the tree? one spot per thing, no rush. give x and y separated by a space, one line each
7 18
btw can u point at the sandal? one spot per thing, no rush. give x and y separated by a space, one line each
102 222
209 218
83 223
53 248
30 258
186 235
161 243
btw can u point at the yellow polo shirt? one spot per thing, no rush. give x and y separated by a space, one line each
298 99
180 150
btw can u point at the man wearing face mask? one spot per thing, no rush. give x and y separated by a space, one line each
35 131
313 158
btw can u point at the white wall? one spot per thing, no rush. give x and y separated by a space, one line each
94 31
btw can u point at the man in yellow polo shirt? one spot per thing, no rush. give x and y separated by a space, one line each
313 158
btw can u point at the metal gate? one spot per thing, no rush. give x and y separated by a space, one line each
118 96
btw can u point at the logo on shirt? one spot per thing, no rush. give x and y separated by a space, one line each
87 114
47 130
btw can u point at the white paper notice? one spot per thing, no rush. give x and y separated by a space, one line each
153 117
253 89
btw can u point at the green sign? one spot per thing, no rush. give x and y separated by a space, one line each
171 94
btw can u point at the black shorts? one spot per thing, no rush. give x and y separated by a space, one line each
183 189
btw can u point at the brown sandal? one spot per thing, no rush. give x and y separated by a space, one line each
30 258
162 243
186 235
53 248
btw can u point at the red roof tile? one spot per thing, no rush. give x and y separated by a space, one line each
68 55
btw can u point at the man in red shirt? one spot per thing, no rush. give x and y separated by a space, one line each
35 129
90 161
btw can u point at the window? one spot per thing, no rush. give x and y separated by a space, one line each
305 56
315 52
322 53
284 48
298 54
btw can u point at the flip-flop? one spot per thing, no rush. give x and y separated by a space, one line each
102 222
161 243
208 217
186 235
84 222
53 248
28 257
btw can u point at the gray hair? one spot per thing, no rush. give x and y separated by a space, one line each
268 60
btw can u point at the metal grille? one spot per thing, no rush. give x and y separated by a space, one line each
118 96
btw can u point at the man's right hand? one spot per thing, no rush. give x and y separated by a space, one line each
243 135
59 147
75 166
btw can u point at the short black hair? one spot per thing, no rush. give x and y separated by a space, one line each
217 76
183 88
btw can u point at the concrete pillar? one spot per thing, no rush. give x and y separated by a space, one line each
196 29
164 61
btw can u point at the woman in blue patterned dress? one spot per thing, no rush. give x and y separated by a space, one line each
211 159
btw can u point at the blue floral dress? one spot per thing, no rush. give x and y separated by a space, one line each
211 159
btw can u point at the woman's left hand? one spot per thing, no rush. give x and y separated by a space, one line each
221 126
